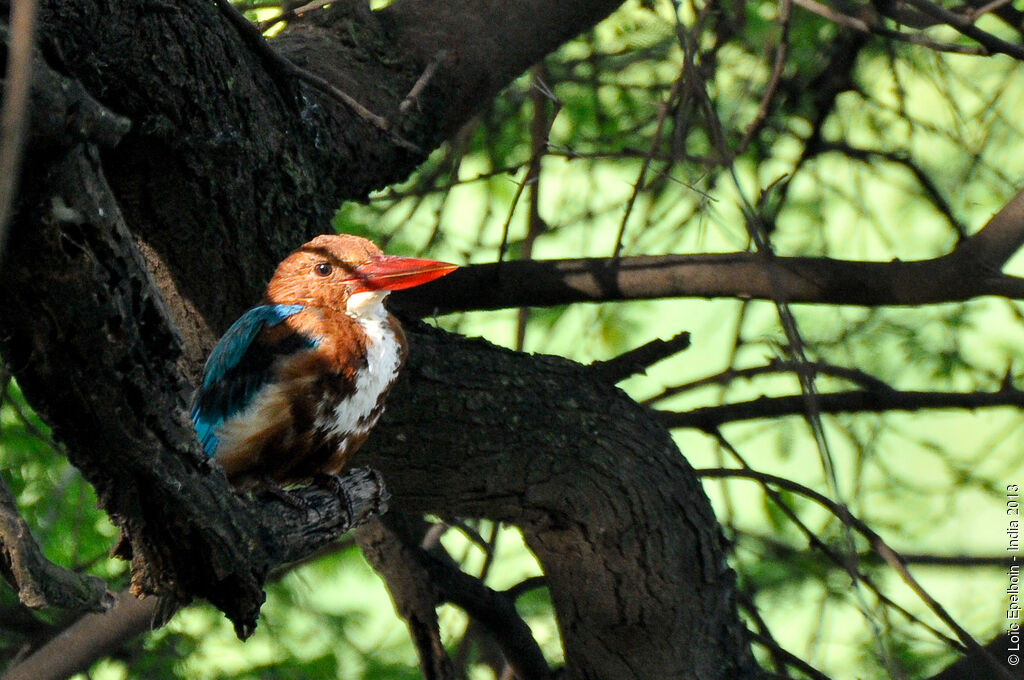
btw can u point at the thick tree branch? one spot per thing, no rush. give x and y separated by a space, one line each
746 276
300 533
78 646
971 270
579 480
489 42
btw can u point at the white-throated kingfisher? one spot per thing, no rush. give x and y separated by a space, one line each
296 384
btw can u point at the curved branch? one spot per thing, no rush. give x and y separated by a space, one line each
813 368
998 240
39 582
489 42
298 533
433 581
476 430
970 270
76 647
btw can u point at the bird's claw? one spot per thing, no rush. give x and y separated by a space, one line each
285 496
333 484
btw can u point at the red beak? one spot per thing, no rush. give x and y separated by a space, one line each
390 272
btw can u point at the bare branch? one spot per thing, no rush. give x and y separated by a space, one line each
637 361
79 645
389 549
94 635
965 25
419 581
496 612
745 276
876 27
976 664
709 418
841 560
14 115
971 270
854 375
39 582
285 67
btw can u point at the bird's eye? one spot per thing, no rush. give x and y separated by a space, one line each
323 269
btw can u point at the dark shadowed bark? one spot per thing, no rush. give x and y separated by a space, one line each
133 248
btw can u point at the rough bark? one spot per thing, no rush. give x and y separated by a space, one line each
544 444
125 261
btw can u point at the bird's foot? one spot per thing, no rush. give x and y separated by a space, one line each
282 494
333 484
330 482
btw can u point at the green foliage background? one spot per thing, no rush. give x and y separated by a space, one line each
919 151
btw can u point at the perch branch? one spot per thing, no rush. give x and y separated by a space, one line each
84 641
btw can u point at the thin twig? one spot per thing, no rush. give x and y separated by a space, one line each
966 26
727 376
862 26
709 418
846 562
14 115
976 13
422 82
290 14
663 109
778 66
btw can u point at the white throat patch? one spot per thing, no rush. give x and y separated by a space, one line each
367 305
353 414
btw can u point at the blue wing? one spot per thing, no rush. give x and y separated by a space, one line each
238 367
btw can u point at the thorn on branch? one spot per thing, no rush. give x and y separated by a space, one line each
638 360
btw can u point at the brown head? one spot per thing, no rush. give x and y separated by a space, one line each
330 269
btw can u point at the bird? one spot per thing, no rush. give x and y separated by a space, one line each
294 386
